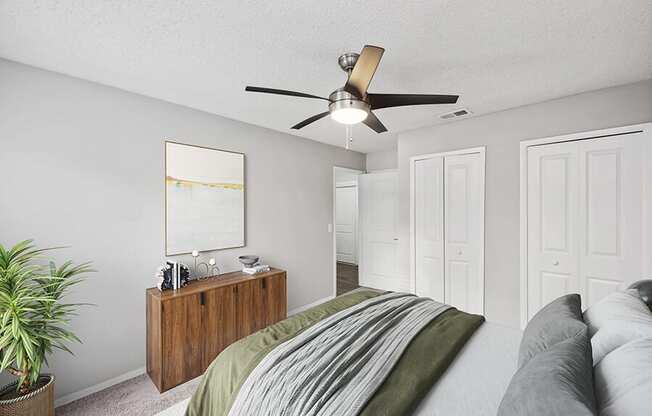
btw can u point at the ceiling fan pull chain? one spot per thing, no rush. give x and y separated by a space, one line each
349 137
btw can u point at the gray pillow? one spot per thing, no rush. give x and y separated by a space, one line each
555 322
558 381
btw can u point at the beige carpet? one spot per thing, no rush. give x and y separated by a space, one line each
178 409
137 396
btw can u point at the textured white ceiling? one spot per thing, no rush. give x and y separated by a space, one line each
201 53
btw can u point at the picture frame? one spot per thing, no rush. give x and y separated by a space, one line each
205 197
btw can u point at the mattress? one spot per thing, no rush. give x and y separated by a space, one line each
476 381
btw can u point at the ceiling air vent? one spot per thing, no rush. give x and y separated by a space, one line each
454 114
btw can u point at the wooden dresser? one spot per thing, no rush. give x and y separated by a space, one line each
187 328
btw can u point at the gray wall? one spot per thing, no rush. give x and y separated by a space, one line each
386 159
82 165
501 133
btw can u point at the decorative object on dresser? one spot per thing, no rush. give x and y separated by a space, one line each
249 260
204 199
188 328
173 275
210 268
252 265
34 320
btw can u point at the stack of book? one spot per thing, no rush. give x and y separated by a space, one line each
256 269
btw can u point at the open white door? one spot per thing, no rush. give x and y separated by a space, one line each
378 209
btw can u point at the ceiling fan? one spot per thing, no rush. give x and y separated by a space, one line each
352 103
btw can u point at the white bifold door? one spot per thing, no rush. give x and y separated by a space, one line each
449 229
378 214
584 218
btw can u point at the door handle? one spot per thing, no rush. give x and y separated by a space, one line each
396 239
202 298
555 263
459 252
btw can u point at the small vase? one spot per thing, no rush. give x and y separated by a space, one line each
39 402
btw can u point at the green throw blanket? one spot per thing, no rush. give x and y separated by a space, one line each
420 366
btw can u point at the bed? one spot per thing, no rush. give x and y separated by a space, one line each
476 380
453 364
383 353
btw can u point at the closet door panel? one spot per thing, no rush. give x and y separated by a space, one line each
429 228
458 276
552 223
611 190
463 220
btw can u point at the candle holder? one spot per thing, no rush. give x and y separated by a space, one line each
209 269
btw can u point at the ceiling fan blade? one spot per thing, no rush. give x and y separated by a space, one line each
397 100
282 92
309 120
364 70
375 124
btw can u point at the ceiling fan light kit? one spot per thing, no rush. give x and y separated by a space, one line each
346 108
352 104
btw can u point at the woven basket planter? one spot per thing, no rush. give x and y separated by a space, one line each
39 402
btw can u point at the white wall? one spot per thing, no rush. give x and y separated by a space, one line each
82 165
501 133
344 175
386 159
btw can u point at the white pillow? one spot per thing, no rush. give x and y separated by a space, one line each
623 380
616 333
617 306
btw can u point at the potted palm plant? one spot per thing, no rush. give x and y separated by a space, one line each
33 321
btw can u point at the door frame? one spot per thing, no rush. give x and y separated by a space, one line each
331 227
524 145
413 234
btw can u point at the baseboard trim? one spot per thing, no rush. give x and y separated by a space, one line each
310 305
98 387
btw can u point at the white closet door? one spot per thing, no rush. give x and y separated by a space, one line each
346 213
429 228
610 209
464 219
585 218
552 223
378 205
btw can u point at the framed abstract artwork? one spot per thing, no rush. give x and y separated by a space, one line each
204 199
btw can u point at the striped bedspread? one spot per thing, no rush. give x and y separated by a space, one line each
364 353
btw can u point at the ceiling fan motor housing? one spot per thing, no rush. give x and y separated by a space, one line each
344 102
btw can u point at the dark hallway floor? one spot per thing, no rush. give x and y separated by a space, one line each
347 277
